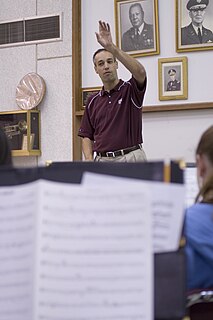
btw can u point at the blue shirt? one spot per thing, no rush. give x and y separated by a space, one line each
199 246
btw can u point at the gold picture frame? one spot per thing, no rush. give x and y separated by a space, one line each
187 38
173 78
87 92
27 143
145 41
22 128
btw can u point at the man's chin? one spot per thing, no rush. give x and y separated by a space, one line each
107 76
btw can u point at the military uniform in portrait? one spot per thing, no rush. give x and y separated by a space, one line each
195 32
133 40
173 85
189 36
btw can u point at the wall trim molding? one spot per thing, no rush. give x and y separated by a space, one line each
179 107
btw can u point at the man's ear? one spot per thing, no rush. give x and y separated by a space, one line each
116 63
95 68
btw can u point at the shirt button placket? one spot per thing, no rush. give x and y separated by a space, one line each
110 100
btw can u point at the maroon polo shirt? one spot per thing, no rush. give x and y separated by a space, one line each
113 120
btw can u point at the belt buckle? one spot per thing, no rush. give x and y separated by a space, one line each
110 154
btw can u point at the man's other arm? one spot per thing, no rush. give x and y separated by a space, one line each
87 148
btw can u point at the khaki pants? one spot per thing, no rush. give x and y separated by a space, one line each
133 156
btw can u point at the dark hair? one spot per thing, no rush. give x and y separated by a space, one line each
98 51
205 146
137 4
5 151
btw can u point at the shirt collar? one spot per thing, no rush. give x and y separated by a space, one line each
116 88
141 28
196 29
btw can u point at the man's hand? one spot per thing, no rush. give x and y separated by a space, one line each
104 36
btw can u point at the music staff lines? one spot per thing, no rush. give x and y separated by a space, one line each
15 245
89 224
126 291
92 278
15 284
92 237
61 251
14 311
14 298
17 229
76 210
91 265
16 217
13 271
15 257
119 317
90 305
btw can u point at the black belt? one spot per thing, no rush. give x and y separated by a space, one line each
118 153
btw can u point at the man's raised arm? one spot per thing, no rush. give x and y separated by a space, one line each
135 67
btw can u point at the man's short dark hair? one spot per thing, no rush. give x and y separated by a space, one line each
98 51
136 4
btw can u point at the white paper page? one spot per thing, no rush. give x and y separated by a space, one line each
17 214
167 202
95 254
190 177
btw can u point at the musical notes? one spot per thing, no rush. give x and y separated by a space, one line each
17 230
167 206
95 259
71 252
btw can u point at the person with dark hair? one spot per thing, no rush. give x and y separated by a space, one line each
141 35
5 152
112 122
199 220
195 32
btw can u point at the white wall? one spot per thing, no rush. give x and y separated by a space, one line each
167 135
53 61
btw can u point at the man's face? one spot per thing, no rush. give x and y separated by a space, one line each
197 16
172 77
106 66
136 16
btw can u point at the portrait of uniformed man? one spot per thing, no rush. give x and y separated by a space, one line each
141 35
173 84
195 32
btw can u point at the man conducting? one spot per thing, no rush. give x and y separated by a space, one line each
112 121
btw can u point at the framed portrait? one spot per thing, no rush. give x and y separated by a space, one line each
173 79
137 27
87 92
194 25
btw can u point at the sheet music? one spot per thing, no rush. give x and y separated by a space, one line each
17 230
167 201
94 253
190 177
